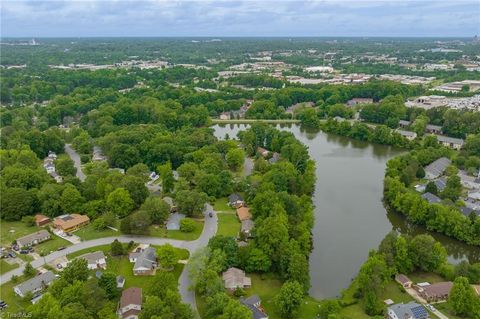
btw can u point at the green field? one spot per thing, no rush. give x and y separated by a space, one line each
158 231
88 232
6 267
10 231
15 303
221 205
228 224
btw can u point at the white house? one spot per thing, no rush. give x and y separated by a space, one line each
95 260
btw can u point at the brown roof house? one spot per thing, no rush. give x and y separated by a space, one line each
33 239
235 278
436 292
130 303
243 213
403 280
69 223
41 220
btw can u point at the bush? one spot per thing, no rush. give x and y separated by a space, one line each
187 225
29 220
85 158
99 223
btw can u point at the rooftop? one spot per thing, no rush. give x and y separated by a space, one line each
131 296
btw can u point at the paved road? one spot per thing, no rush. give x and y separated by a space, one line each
76 161
188 296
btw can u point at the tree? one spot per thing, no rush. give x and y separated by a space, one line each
453 188
372 278
157 208
136 188
190 202
138 223
71 200
403 261
167 256
431 188
298 270
108 281
124 156
64 166
116 248
427 254
29 271
16 202
187 225
119 202
289 299
462 297
166 173
257 261
46 308
235 158
328 308
77 269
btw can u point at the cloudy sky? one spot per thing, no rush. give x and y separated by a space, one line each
35 18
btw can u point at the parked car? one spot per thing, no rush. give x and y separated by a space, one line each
24 252
12 254
210 214
68 234
3 305
61 248
59 266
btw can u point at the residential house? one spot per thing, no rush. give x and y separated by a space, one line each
436 292
41 220
49 167
433 129
235 200
171 203
243 213
404 124
247 227
455 143
407 134
411 310
359 100
35 284
95 260
225 115
403 280
338 119
56 177
235 278
130 303
467 211
436 168
254 303
263 152
120 281
431 198
275 158
33 239
468 181
52 155
145 262
69 223
440 183
98 154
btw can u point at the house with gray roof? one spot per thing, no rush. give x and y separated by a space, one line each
436 168
247 227
407 134
411 310
235 200
451 142
440 183
95 260
431 198
403 123
235 278
254 304
433 129
35 284
33 239
145 262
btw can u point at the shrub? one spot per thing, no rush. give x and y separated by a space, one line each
187 225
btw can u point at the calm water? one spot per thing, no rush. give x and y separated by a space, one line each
349 216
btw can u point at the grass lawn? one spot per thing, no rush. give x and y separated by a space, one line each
14 302
12 230
354 311
444 307
394 291
88 232
51 245
228 224
417 277
158 231
6 267
221 205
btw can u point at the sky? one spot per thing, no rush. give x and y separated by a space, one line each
160 18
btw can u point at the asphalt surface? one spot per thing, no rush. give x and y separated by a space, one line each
188 295
76 161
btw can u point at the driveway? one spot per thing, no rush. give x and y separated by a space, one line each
188 296
76 161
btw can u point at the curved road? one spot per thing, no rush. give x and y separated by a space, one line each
188 296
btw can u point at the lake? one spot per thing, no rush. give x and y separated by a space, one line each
349 215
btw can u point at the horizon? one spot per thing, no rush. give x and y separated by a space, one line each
221 19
